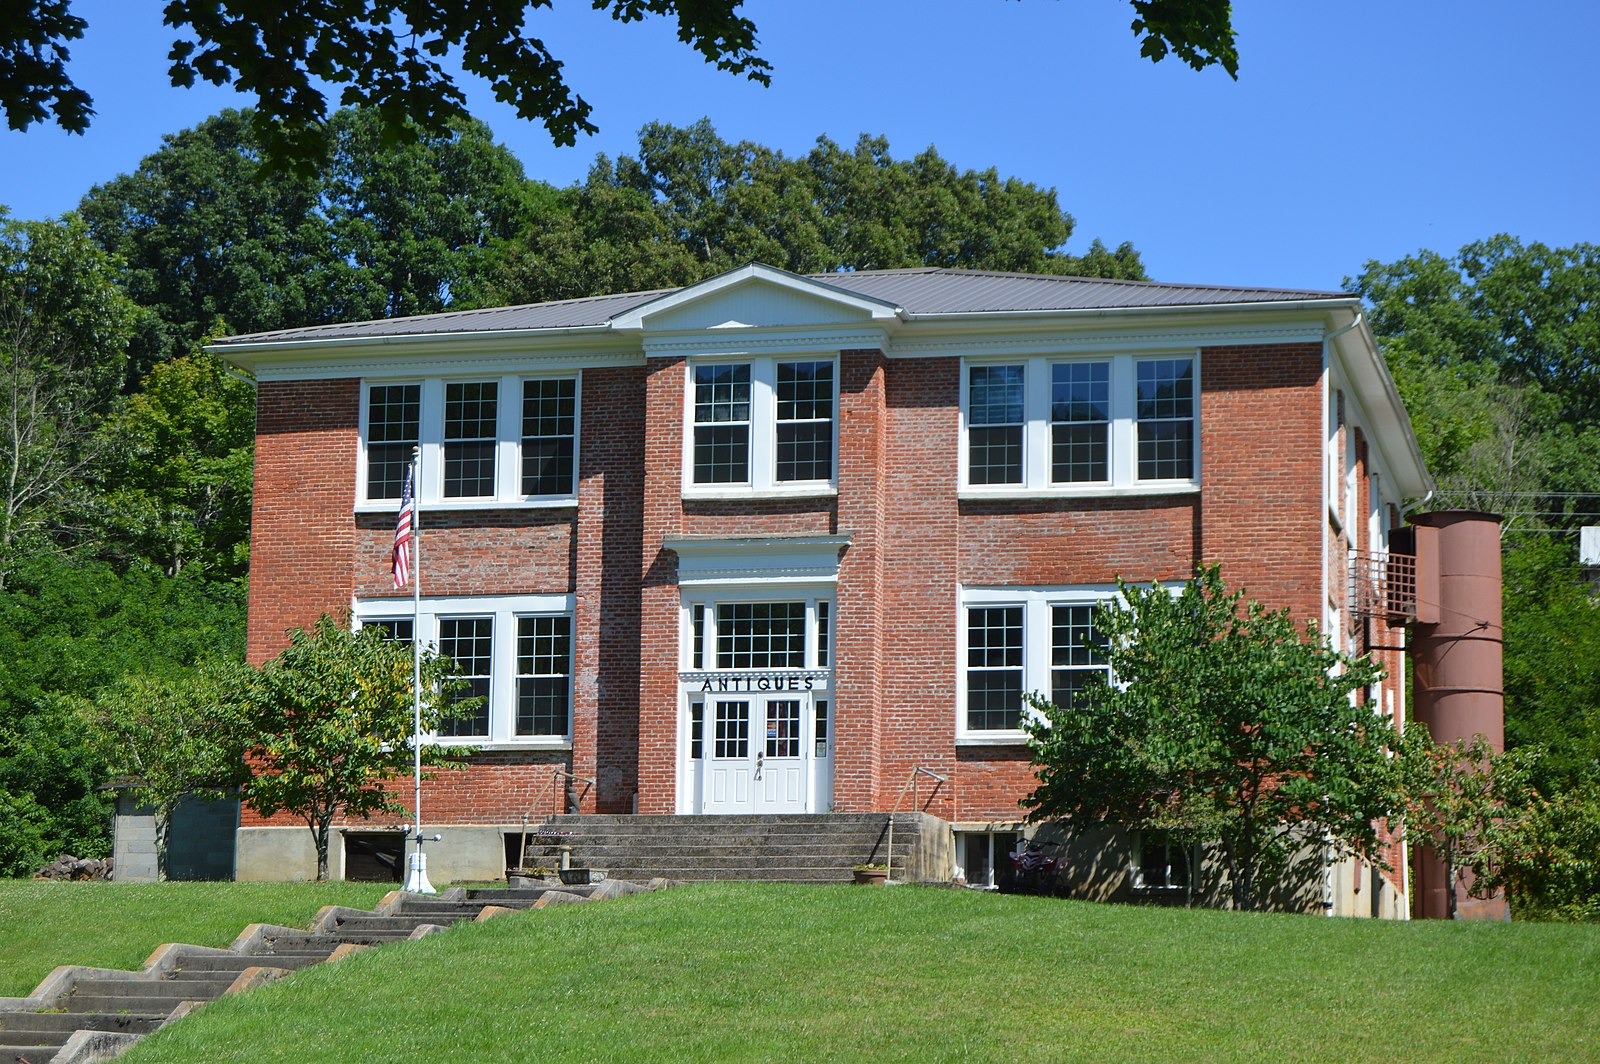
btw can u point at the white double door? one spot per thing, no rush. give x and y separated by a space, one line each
761 752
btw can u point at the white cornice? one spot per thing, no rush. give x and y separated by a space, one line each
754 273
708 561
723 342
923 345
445 361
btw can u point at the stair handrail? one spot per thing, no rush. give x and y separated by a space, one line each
556 773
909 785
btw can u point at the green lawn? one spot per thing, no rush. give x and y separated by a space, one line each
116 925
845 973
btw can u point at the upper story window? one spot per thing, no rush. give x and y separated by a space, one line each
1021 640
514 652
498 441
1043 425
765 424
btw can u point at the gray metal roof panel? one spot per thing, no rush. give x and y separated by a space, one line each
918 291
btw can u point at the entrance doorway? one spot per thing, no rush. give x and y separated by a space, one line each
760 753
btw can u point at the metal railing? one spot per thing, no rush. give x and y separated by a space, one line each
916 803
1383 585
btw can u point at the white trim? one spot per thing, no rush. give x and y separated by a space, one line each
755 272
753 341
1036 603
508 444
438 359
762 452
1122 429
504 611
1088 342
755 562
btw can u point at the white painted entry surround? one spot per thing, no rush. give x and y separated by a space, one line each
755 701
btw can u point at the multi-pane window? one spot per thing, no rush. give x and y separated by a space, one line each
471 415
549 435
544 675
697 729
697 636
761 635
994 668
1074 659
393 417
820 707
508 440
1166 419
1021 641
394 629
995 424
783 727
805 421
732 735
1163 863
722 424
469 644
1080 422
761 425
1043 424
824 633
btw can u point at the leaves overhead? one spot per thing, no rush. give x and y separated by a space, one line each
34 85
1199 32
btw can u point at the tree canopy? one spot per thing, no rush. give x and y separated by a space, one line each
1223 722
388 56
691 205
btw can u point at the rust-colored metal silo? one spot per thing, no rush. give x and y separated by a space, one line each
1456 657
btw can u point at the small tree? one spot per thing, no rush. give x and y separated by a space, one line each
172 738
329 723
1223 723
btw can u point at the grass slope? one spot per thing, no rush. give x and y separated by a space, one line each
116 925
796 973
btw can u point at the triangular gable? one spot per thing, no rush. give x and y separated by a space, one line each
754 296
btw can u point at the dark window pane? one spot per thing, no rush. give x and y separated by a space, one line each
549 425
721 393
732 735
397 630
469 643
721 454
824 633
1079 453
1080 391
1166 388
994 395
994 699
1079 412
1072 636
470 431
994 455
783 728
697 729
393 411
761 635
1166 450
994 637
805 451
805 391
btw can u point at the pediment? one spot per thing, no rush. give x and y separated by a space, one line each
754 297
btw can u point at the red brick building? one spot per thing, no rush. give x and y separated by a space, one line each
770 542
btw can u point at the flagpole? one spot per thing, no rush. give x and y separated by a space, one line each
417 872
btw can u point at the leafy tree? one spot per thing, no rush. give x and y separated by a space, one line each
1226 723
329 721
178 470
64 328
386 55
171 738
70 626
691 205
1546 855
212 242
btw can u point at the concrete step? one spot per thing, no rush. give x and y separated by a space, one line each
10 1054
213 984
67 1022
132 1006
408 922
238 962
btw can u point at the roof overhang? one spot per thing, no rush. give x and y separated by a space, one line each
757 275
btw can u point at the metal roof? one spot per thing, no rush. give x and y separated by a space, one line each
920 291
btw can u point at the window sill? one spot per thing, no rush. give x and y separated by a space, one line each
454 505
997 739
501 746
1097 491
737 494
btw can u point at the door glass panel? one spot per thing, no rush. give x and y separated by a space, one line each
783 728
732 729
822 727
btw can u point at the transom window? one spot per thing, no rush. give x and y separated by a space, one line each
1070 425
762 425
503 440
514 651
765 636
1021 640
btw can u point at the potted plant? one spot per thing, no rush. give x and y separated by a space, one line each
872 874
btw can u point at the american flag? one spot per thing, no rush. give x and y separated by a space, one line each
402 536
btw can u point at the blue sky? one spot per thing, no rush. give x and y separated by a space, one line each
1365 129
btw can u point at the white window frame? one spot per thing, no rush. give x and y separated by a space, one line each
508 445
763 430
1123 446
1037 634
1172 849
710 599
505 610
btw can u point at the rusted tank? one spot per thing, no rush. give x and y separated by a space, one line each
1456 658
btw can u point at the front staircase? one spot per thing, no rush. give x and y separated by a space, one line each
786 848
